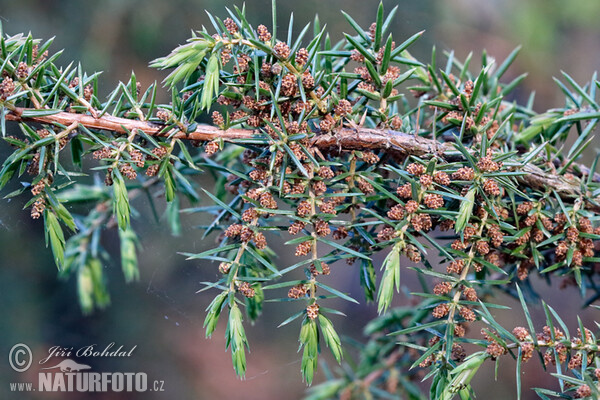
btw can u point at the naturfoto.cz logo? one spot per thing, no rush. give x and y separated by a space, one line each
67 375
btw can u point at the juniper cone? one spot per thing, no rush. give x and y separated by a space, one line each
352 152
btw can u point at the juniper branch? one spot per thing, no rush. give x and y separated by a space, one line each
399 143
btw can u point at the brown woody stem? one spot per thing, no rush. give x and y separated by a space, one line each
343 139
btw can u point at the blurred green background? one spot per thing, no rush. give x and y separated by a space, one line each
162 314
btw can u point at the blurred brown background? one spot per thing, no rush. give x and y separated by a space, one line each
162 314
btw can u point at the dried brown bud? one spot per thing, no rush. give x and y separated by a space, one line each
495 350
464 174
343 108
411 206
282 50
524 208
442 288
537 235
324 267
491 187
108 179
319 188
327 123
575 361
458 352
259 240
322 227
441 310
527 351
364 74
163 114
446 225
561 249
327 207
396 122
458 245
386 234
521 333
296 227
22 70
413 254
469 232
577 260
365 186
304 248
263 33
231 26
494 232
459 330
258 174
427 362
276 69
372 31
486 164
304 208
326 173
211 147
469 85
247 234
289 85
572 234
218 119
250 215
137 157
524 238
470 294
549 358
455 267
233 230
246 290
356 55
312 311
404 191
298 291
308 81
38 208
583 391
127 171
530 220
268 201
88 91
38 188
425 180
585 225
7 87
482 247
301 56
396 212
224 267
43 133
467 314
415 169
421 222
340 233
433 200
225 57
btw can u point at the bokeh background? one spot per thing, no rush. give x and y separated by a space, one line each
162 314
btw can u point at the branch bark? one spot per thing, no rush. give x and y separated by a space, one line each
344 139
